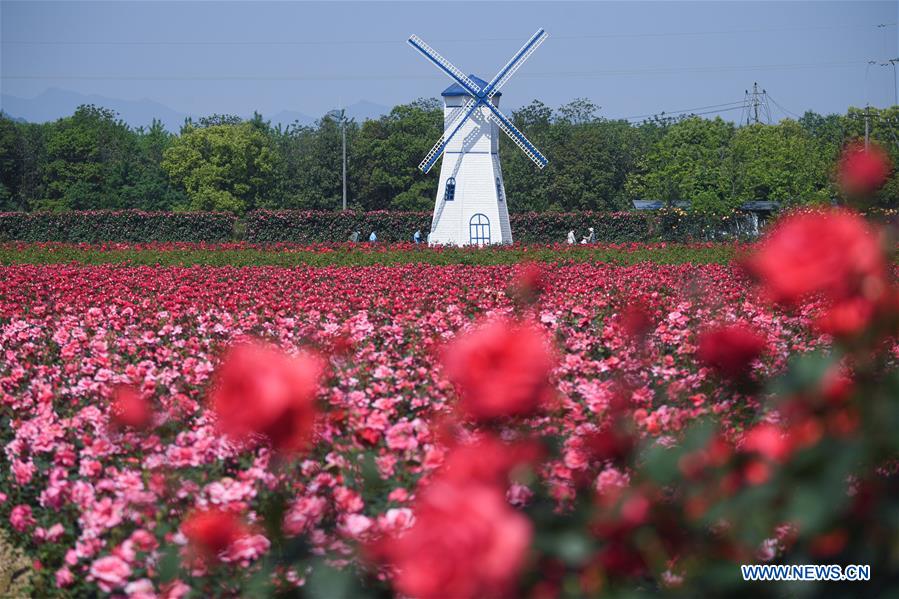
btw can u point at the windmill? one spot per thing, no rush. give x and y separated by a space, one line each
471 199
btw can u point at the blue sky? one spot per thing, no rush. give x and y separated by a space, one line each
631 58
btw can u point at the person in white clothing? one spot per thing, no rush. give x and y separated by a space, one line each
571 237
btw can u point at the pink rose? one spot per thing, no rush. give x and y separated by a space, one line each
110 572
247 549
64 577
141 589
21 518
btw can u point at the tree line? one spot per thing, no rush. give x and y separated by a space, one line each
94 160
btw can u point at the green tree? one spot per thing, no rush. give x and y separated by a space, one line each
150 187
528 187
86 161
314 165
688 164
227 167
386 155
781 163
12 163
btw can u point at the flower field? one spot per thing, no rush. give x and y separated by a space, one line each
225 431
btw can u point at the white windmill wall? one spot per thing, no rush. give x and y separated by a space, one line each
472 160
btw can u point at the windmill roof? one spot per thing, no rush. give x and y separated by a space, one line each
457 90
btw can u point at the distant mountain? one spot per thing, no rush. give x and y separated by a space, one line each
55 103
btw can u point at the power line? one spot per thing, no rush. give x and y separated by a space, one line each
457 40
784 110
545 75
669 112
675 115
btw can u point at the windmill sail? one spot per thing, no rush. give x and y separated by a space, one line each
462 114
515 62
444 65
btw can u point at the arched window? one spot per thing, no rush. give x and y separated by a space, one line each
499 190
449 193
479 229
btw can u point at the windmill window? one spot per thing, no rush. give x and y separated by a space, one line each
449 194
479 229
499 189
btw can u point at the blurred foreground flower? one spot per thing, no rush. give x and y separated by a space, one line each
501 369
466 542
261 390
862 171
731 349
129 408
834 252
212 531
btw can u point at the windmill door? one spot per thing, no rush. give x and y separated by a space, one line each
479 229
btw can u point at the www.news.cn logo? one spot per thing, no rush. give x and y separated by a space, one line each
806 572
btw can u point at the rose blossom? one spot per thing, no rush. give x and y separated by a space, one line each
129 408
730 349
259 389
110 572
466 542
64 577
501 369
834 252
862 170
212 531
21 518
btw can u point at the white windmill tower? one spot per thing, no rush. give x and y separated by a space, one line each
471 197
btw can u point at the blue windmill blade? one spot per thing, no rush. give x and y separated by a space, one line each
515 62
444 65
517 136
436 152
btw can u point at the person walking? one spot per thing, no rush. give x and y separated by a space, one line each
372 238
417 237
571 238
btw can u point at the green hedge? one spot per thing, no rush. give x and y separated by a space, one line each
298 226
305 226
124 225
265 226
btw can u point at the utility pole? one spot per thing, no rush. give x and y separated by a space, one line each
867 127
343 131
893 62
340 116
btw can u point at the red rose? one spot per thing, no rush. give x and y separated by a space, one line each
129 408
769 441
501 369
832 252
847 318
466 542
731 349
261 390
862 171
212 531
488 460
636 321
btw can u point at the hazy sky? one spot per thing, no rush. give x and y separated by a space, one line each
630 58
